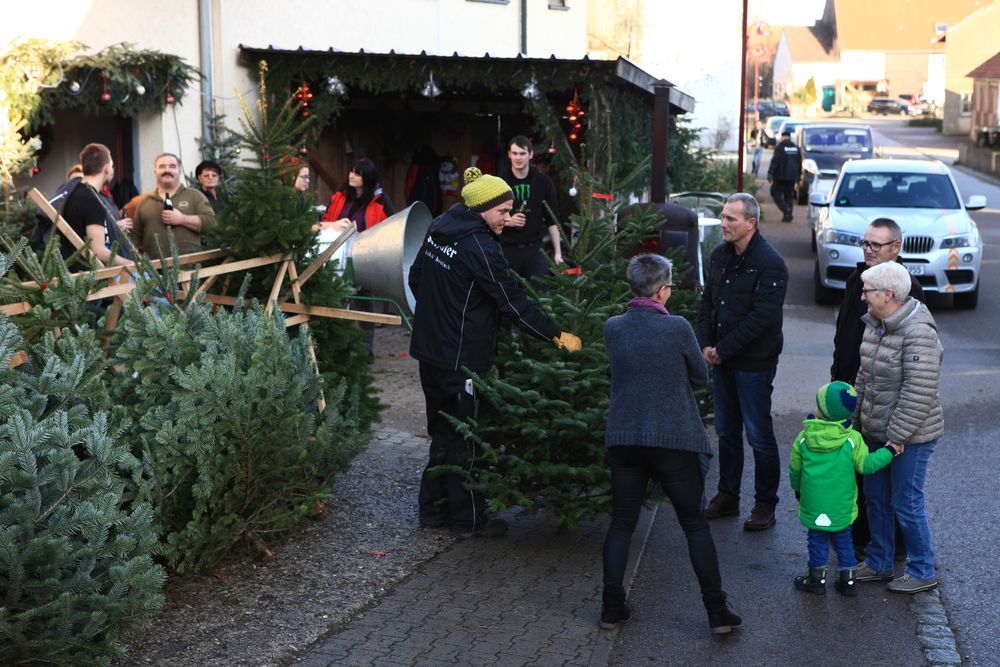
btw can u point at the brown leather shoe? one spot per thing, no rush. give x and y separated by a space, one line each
721 505
761 518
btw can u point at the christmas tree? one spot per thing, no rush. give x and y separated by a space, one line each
264 215
76 569
542 424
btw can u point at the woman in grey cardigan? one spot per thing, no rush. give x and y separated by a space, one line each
898 403
654 432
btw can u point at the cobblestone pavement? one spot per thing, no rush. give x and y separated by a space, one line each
529 598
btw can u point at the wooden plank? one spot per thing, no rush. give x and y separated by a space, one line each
295 320
60 223
293 274
320 311
19 308
18 358
327 254
111 290
232 267
112 323
279 280
208 283
190 258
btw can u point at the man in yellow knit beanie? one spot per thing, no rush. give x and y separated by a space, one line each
462 285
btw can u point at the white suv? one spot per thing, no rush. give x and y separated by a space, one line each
941 244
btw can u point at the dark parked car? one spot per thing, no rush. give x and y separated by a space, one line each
828 147
888 105
768 108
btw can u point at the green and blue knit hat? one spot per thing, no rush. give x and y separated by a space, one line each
836 401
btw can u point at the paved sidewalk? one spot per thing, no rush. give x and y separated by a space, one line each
529 598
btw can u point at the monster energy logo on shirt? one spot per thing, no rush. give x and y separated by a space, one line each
522 191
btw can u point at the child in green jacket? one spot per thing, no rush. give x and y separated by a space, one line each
825 456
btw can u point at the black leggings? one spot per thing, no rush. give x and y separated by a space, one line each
680 476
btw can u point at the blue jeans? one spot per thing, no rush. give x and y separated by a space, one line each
898 490
743 400
843 546
682 480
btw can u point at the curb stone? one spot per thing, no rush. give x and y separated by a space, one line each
934 632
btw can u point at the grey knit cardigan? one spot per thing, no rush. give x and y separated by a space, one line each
655 362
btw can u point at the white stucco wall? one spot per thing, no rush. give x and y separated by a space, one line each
409 26
701 56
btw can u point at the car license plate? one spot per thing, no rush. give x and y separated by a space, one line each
915 269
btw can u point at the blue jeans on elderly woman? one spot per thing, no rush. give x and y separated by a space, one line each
898 491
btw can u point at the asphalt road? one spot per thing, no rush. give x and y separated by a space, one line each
784 626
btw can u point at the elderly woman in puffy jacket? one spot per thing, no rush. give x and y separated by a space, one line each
898 403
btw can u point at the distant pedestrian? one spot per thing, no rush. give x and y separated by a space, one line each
826 454
784 172
899 403
757 142
739 330
655 432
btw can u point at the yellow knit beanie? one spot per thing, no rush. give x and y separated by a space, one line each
482 191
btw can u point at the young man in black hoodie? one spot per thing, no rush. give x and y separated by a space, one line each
525 230
785 170
462 284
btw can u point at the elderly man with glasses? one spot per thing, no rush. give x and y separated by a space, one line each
883 241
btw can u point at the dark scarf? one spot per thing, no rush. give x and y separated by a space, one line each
646 302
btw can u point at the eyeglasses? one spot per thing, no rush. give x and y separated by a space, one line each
667 285
873 289
875 246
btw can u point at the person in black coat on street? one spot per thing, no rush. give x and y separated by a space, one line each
785 169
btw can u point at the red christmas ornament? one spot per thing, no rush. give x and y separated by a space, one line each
44 286
572 136
106 96
304 151
35 170
170 98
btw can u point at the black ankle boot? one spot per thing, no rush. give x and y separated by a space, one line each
845 583
721 618
615 610
813 582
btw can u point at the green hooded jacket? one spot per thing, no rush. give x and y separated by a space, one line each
824 457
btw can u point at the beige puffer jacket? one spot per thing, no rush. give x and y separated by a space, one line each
897 385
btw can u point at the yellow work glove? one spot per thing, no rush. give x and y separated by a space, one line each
567 341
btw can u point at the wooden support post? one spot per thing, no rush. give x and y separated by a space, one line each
317 311
327 254
279 280
60 223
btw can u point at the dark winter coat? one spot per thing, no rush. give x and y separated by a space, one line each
850 328
461 284
786 162
740 313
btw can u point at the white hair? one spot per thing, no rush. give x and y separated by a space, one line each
889 275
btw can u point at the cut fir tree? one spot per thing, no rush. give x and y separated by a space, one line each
541 425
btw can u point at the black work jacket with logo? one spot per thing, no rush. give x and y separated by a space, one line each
461 284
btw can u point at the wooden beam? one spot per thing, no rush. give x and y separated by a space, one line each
18 358
320 311
60 223
232 267
295 320
327 254
279 280
19 308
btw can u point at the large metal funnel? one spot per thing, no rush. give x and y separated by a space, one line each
382 255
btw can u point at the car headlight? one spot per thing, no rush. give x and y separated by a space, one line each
841 238
963 241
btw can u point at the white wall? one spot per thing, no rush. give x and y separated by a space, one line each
408 26
862 66
698 49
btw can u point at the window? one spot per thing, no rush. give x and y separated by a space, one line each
558 4
492 2
965 105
